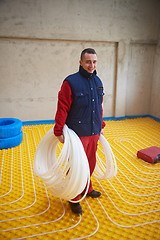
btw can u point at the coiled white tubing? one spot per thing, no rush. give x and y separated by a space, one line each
68 175
109 169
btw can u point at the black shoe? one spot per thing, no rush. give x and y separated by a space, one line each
76 207
94 194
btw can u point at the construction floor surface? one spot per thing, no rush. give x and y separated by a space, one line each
129 207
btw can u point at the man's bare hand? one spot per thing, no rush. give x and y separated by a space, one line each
61 138
102 132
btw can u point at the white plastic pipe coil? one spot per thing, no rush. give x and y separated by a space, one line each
68 174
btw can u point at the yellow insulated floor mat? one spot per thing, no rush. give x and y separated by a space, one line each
129 207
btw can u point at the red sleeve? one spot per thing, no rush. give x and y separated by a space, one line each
103 122
63 107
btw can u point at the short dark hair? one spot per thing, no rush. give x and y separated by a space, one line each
88 50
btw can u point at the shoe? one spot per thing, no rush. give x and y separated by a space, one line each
76 207
94 194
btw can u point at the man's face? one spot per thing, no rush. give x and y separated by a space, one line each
89 62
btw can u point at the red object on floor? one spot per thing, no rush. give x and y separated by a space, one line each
150 155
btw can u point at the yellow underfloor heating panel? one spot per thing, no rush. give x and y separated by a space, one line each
129 207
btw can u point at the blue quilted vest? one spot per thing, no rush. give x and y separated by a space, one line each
85 116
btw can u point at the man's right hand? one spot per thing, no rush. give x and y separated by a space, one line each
61 138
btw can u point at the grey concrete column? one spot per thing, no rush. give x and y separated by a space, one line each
121 78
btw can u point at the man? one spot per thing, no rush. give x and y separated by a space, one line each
80 108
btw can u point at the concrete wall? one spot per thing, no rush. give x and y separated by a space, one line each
40 44
155 90
140 78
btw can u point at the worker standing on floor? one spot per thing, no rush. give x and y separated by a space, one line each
80 108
